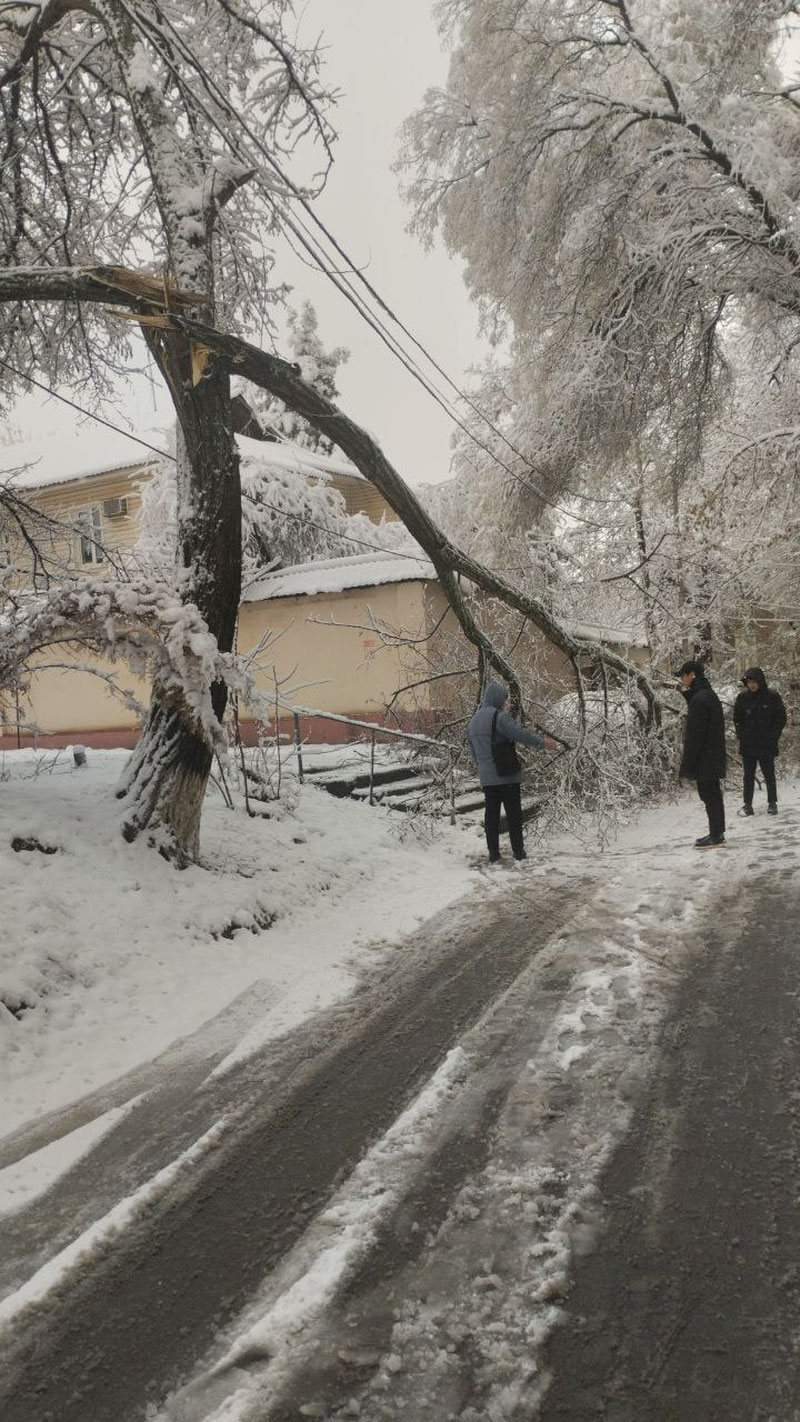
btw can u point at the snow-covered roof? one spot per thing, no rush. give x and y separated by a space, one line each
284 455
363 570
40 463
600 632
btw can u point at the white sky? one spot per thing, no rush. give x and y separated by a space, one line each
382 58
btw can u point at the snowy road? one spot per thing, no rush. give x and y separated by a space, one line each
543 1164
690 1307
303 1115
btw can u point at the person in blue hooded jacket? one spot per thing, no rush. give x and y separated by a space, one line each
500 790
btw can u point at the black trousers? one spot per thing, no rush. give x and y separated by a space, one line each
767 763
510 798
710 792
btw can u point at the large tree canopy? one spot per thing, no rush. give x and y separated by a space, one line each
621 179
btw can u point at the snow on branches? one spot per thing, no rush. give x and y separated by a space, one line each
130 132
290 514
625 194
143 624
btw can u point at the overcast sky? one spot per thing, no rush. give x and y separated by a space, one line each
382 58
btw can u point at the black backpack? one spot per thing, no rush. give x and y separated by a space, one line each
504 753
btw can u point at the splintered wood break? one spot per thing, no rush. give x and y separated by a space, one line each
200 359
151 319
142 286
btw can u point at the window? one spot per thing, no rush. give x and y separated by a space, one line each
90 533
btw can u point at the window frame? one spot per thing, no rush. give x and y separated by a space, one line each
89 528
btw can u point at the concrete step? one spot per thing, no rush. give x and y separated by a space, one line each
341 785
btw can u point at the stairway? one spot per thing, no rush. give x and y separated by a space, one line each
413 783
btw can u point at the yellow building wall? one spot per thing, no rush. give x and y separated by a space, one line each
344 668
63 502
362 497
65 702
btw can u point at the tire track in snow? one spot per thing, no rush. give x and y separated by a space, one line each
191 1264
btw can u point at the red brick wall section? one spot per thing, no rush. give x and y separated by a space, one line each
124 737
315 729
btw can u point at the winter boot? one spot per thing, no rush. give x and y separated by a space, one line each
772 809
747 810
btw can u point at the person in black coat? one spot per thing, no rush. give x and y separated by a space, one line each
704 758
759 716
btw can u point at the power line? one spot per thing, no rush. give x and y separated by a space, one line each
341 279
81 411
163 454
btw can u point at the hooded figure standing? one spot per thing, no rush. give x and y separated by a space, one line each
489 726
704 757
759 716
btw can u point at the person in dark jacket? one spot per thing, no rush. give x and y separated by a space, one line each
704 757
759 716
491 724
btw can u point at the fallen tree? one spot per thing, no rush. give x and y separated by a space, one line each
283 380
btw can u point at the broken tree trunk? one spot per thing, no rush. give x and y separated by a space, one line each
165 780
284 380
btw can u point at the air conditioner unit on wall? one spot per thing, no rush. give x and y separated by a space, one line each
115 508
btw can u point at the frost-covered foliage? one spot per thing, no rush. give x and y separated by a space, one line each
318 366
631 178
625 202
141 623
289 515
35 565
703 565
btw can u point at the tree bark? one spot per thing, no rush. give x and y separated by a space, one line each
641 542
165 780
285 381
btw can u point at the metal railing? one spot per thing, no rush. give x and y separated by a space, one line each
375 730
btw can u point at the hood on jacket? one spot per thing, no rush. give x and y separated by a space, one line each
495 696
755 674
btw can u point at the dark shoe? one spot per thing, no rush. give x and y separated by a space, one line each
523 855
772 809
708 841
494 858
747 810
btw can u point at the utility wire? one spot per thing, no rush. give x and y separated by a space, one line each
340 279
163 454
81 411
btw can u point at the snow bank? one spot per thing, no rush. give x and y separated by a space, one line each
109 955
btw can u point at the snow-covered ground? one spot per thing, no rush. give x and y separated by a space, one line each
109 955
488 1283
